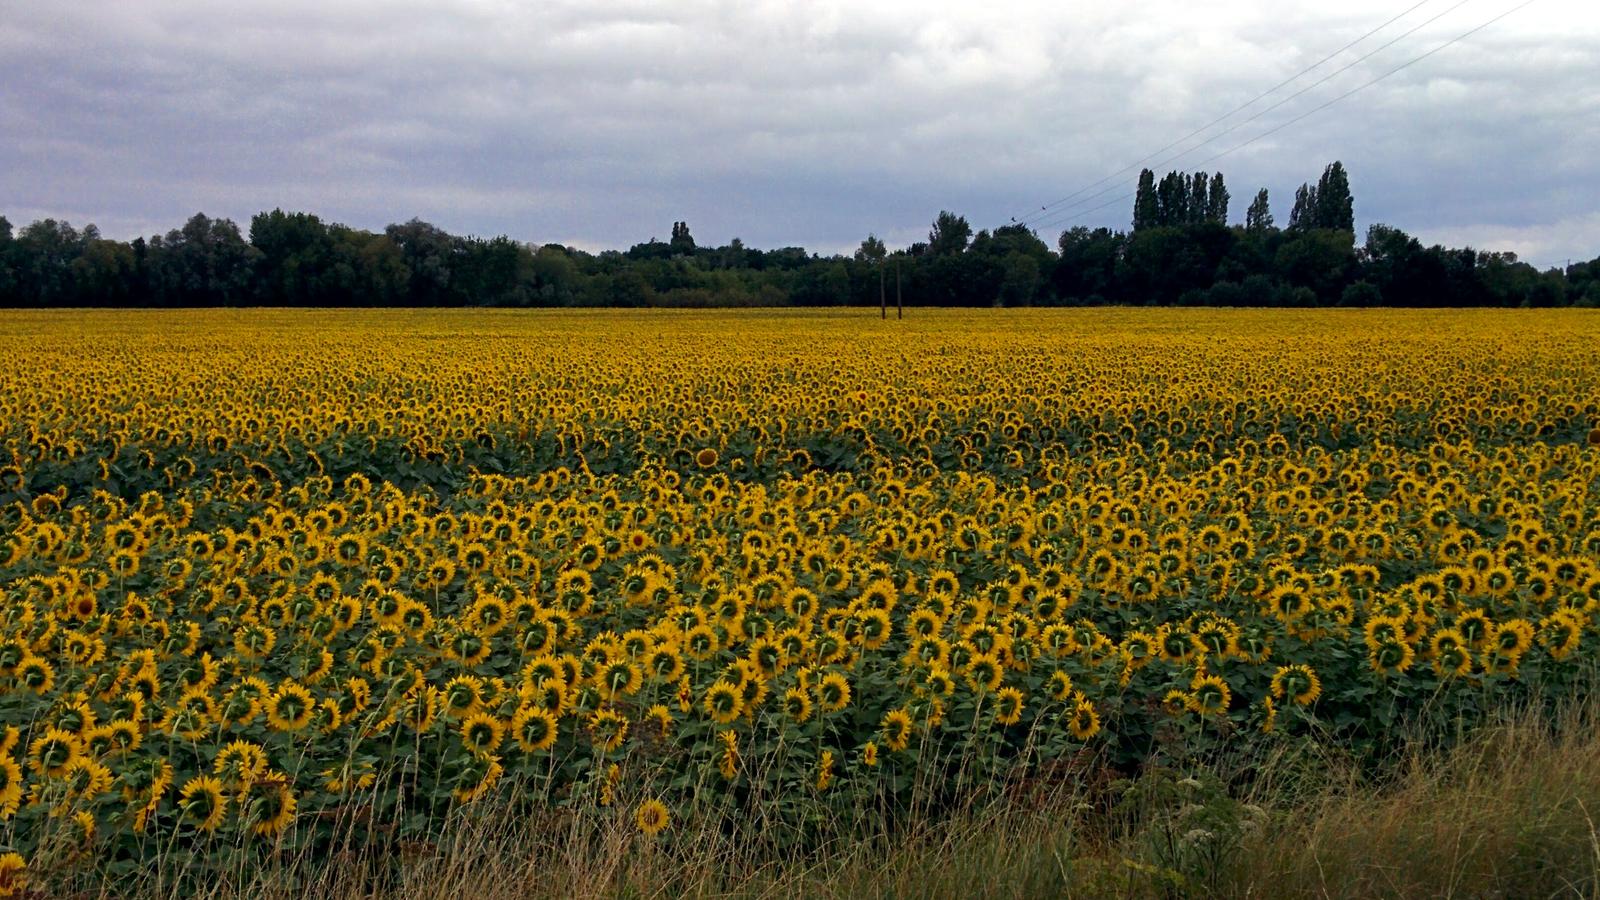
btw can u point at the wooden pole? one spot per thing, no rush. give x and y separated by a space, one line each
883 301
899 308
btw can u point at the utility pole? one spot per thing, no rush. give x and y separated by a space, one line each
899 308
883 300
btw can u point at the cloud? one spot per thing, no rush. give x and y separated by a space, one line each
783 123
1545 245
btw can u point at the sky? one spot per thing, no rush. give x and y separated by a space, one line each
599 123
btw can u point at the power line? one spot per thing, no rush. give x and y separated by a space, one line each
1256 99
1307 114
1278 105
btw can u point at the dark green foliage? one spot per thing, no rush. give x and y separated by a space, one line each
1335 208
1180 250
1258 218
1146 208
949 235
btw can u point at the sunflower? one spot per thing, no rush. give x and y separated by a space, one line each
534 730
896 730
1391 657
54 752
824 770
290 707
608 729
662 717
1176 702
1008 706
481 733
1512 637
833 692
1561 632
463 696
1211 694
13 875
937 683
240 763
1475 626
201 802
269 804
652 817
723 702
1449 651
621 676
1299 683
1085 720
797 704
10 787
728 764
985 672
33 673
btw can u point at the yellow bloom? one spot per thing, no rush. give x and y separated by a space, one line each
203 803
13 875
534 730
1008 706
652 817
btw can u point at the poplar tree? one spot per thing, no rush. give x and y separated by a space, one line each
1146 209
1217 203
1199 199
1334 206
1304 215
1258 218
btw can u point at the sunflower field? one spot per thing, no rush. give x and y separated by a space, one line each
288 580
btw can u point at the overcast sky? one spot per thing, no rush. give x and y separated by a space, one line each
598 123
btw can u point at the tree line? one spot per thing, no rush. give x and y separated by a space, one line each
1180 250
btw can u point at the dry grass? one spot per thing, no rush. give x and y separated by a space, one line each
1510 811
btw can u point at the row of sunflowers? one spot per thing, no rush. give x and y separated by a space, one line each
283 581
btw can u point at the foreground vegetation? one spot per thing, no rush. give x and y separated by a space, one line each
305 596
1508 812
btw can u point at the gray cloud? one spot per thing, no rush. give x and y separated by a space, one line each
599 123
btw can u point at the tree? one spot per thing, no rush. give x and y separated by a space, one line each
1304 215
429 254
494 272
8 282
44 253
682 244
1146 208
871 250
1217 203
1258 218
103 274
556 280
384 278
1159 265
1087 266
823 284
735 256
1320 260
207 262
1361 294
297 253
1332 204
1199 199
1014 262
949 235
1172 200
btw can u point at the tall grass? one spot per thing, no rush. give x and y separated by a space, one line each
1507 810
